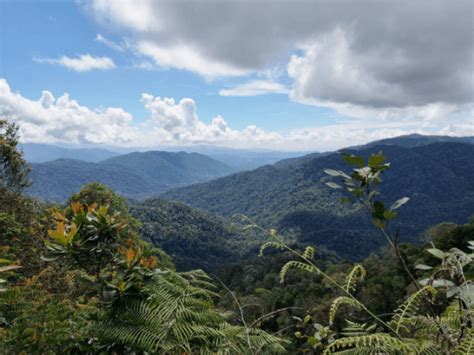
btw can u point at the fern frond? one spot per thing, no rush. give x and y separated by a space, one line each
358 271
271 244
308 253
411 307
357 329
378 343
179 317
467 344
298 265
337 302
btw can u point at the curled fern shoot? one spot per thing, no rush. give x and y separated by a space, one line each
297 265
337 303
357 272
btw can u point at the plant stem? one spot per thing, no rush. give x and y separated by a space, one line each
348 294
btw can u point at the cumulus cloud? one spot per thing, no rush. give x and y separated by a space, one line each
85 62
255 87
51 119
380 56
62 119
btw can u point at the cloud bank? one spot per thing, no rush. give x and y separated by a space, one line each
169 122
378 55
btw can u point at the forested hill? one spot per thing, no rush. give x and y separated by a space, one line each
169 168
417 140
195 239
134 175
293 197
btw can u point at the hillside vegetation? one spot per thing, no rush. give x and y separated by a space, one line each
292 196
134 175
81 278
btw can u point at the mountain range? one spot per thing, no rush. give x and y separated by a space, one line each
135 175
292 197
198 195
40 153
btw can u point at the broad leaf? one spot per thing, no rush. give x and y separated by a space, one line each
353 160
399 203
376 159
333 185
437 253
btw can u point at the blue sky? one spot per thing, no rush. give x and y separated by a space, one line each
320 87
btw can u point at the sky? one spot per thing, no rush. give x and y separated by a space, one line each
282 75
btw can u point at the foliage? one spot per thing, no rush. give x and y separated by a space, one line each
42 323
195 239
179 316
13 168
415 327
292 196
149 309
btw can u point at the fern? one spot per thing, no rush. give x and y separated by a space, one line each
337 302
411 308
308 253
272 244
467 345
378 343
357 329
179 316
357 271
297 265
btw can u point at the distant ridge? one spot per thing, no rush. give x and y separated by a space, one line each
134 175
415 140
40 153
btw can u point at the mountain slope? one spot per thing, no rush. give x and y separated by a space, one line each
40 153
171 169
194 238
294 198
59 179
134 175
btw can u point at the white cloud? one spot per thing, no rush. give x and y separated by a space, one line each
255 87
187 58
51 119
171 122
109 43
83 63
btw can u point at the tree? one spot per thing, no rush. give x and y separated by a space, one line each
13 168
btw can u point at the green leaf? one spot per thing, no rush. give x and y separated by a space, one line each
442 283
333 185
388 215
378 223
379 210
423 267
353 160
399 203
332 172
376 159
345 200
437 253
312 341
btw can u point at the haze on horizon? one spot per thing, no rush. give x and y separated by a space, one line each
286 75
